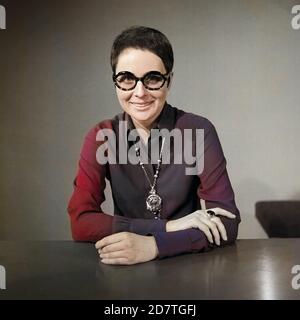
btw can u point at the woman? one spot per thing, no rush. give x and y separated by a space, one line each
156 203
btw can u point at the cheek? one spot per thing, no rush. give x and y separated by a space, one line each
123 96
161 95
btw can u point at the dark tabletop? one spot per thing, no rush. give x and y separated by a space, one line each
249 269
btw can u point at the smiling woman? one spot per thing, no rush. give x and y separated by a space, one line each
141 103
159 210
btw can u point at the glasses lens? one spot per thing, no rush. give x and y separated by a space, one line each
154 81
126 81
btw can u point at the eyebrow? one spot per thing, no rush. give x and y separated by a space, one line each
142 75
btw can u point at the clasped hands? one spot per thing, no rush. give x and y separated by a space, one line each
130 248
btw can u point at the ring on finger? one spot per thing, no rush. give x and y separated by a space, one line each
210 214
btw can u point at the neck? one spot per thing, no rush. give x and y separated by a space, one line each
142 125
143 129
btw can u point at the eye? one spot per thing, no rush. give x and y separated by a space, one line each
153 79
126 78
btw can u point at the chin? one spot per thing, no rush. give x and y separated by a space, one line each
142 116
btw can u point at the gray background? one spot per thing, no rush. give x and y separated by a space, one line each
236 63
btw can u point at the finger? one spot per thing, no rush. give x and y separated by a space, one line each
116 237
113 255
220 227
213 228
113 247
122 261
224 213
204 228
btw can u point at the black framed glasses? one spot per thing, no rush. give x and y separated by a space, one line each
152 80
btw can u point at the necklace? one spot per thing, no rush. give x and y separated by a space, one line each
153 201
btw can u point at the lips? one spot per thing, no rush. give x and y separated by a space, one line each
143 105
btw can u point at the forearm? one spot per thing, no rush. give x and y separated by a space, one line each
138 226
91 226
90 223
182 241
192 240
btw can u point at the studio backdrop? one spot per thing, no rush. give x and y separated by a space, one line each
237 62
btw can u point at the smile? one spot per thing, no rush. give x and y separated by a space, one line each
141 106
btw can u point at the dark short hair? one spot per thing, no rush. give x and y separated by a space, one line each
144 38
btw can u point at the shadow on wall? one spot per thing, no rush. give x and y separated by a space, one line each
248 192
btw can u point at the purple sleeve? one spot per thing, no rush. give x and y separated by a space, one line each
190 240
139 226
215 187
182 241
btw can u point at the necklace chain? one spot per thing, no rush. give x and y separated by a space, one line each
157 168
153 201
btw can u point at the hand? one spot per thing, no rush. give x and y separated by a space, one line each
126 248
200 219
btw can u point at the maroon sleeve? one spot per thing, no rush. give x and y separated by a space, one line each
88 221
215 188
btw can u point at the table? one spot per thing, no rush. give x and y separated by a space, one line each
249 269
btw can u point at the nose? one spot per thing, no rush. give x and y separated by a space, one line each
140 90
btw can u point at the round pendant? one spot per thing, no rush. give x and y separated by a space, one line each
154 203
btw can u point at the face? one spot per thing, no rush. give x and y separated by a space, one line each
143 105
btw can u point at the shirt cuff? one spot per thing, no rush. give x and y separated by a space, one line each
178 242
138 226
